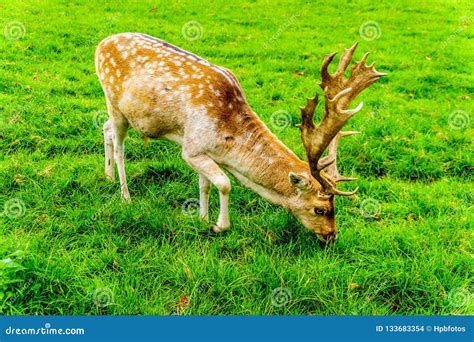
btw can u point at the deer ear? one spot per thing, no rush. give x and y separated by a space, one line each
299 181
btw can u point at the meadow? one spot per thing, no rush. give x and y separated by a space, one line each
70 245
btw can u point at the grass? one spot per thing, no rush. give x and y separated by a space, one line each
70 246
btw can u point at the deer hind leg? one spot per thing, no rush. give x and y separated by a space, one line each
206 167
204 187
109 150
118 125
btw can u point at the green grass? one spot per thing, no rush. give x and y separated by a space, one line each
75 238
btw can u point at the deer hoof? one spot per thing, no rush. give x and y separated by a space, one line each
218 229
110 178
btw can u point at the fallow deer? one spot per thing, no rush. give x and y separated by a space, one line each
163 91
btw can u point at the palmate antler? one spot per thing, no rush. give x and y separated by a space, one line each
338 93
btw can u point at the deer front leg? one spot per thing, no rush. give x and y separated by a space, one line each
204 187
208 168
120 131
109 150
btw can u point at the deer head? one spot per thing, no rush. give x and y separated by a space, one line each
315 208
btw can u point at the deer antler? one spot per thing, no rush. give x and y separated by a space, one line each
338 93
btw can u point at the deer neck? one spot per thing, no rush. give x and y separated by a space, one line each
260 161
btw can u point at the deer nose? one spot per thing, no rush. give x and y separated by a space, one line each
329 237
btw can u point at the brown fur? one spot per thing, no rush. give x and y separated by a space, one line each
163 91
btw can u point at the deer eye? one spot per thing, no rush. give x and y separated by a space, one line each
319 211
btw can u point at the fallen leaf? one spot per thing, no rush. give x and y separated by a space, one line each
183 303
19 179
47 171
298 73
